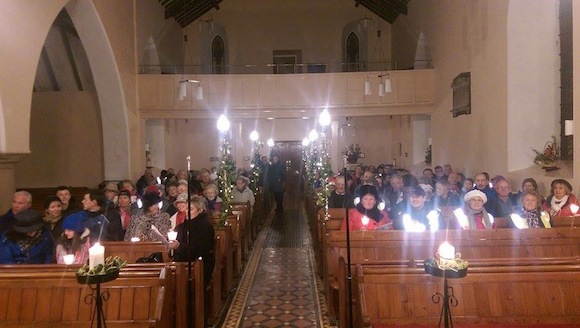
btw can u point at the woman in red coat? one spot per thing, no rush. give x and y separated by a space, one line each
367 215
560 199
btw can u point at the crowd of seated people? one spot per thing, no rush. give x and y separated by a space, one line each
421 203
122 211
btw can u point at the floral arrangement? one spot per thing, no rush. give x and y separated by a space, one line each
548 155
352 152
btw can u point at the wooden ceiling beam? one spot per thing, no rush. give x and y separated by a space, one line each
384 13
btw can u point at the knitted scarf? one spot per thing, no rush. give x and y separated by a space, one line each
557 204
533 217
471 218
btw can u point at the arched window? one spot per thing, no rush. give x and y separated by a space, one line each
352 53
218 56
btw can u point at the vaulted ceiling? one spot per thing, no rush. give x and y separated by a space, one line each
186 12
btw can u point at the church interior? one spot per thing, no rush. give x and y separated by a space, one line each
98 91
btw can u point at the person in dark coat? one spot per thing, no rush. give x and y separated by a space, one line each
28 241
201 234
276 181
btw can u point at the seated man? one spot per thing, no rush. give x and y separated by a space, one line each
21 201
482 184
505 202
368 179
96 223
394 197
68 203
340 197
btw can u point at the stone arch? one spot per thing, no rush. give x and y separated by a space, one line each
109 88
361 32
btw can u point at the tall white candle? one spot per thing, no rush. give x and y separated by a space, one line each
172 235
96 255
365 221
447 251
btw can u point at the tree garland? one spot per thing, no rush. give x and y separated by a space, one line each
256 169
226 180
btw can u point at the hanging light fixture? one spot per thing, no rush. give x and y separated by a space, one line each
388 84
199 92
381 88
368 91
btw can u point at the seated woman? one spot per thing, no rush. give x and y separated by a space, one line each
530 214
560 199
53 216
242 193
180 204
214 202
201 235
419 215
444 197
473 215
367 215
71 242
140 224
27 241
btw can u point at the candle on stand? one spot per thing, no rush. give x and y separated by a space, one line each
96 255
447 251
68 259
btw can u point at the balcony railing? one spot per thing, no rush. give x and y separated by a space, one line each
267 68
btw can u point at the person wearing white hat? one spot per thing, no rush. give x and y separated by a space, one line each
474 215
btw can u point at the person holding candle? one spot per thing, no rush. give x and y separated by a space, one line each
367 215
530 212
71 242
28 241
120 216
140 224
560 199
181 204
201 234
474 215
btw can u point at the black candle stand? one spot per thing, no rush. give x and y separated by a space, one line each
448 297
96 294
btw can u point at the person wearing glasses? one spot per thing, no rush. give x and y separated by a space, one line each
505 203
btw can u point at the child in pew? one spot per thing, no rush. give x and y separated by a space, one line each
71 240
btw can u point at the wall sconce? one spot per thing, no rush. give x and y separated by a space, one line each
569 127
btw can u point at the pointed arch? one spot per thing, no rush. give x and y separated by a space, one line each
108 85
218 55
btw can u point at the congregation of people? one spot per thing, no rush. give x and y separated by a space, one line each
147 210
385 197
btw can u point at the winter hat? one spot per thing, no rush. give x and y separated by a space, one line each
418 191
561 181
475 193
112 186
125 192
49 201
150 199
370 189
27 221
181 198
75 222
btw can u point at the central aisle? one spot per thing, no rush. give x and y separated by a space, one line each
278 287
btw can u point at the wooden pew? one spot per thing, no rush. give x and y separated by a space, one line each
55 299
504 294
566 221
56 285
234 222
226 263
213 293
132 251
243 211
472 244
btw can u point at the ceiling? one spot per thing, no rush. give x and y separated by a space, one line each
186 12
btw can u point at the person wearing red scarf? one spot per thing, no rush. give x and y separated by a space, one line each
181 204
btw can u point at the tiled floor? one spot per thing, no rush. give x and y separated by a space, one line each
278 288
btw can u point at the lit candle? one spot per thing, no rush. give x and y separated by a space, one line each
365 221
172 235
135 239
96 255
574 208
461 218
446 251
518 221
68 259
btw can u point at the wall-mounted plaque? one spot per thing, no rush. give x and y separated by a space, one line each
461 94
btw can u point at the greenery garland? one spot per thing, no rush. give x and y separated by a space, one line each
256 166
226 180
